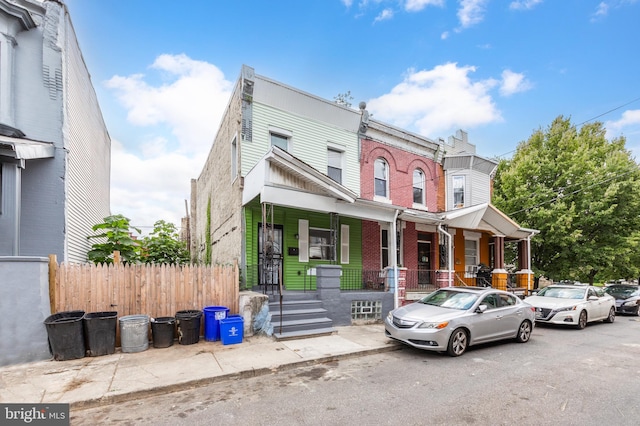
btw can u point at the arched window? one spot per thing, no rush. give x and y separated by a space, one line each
381 177
418 187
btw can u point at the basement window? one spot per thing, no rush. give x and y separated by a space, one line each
367 310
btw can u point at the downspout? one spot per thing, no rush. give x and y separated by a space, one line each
449 254
529 271
395 259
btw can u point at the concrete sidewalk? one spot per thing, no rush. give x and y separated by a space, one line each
93 381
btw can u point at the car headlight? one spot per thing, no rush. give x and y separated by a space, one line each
630 303
569 308
390 316
436 325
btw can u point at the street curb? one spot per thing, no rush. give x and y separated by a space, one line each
192 384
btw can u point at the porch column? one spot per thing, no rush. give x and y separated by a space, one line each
499 274
525 274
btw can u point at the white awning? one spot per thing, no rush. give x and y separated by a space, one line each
25 149
486 217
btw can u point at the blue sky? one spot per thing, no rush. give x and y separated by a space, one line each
163 72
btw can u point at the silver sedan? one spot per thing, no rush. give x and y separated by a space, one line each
453 318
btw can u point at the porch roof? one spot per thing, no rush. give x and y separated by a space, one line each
486 217
25 149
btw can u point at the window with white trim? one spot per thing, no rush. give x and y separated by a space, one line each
334 164
458 191
381 178
280 141
418 187
471 256
320 244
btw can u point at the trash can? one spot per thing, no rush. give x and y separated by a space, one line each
188 325
100 332
65 335
232 329
134 333
163 330
212 317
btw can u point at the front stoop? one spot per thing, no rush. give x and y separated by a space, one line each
299 319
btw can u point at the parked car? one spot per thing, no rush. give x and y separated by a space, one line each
627 298
453 318
573 305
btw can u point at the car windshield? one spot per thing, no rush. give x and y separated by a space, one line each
617 290
450 299
563 292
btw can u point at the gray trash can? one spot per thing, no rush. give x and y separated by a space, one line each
134 333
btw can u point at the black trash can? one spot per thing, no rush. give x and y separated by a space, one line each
163 330
188 325
100 332
66 335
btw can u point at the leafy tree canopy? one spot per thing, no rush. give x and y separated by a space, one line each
115 235
163 245
583 193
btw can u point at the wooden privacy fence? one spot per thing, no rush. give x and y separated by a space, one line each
154 290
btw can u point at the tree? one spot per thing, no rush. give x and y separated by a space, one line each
163 245
344 99
583 193
116 236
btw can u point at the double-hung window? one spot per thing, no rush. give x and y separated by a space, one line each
381 178
334 164
458 191
418 187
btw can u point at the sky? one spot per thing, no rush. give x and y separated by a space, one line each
163 72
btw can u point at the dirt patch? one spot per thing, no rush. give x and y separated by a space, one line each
75 384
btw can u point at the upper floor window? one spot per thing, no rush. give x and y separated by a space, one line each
418 187
381 178
280 141
334 164
458 191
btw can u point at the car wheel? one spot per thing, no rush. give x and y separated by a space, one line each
612 316
458 342
524 332
582 320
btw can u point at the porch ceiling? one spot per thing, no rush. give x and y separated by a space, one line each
486 217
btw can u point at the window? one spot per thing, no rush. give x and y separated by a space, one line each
381 177
470 255
320 244
334 164
280 141
458 192
384 248
418 187
234 158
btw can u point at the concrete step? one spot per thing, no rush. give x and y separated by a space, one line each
294 305
304 333
301 324
297 314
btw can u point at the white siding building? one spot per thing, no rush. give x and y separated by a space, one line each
55 151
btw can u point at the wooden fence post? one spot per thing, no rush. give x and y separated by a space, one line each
53 272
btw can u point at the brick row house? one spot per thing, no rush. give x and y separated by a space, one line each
293 182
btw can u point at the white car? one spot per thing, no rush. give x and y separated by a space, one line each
573 305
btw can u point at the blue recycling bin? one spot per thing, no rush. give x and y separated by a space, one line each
232 330
212 317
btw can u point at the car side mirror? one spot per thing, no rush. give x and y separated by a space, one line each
592 298
480 309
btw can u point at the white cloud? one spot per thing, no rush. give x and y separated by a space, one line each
437 101
191 105
418 5
384 15
347 3
524 4
471 12
601 11
151 178
629 127
513 82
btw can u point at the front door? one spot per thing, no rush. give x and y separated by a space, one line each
270 254
424 260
